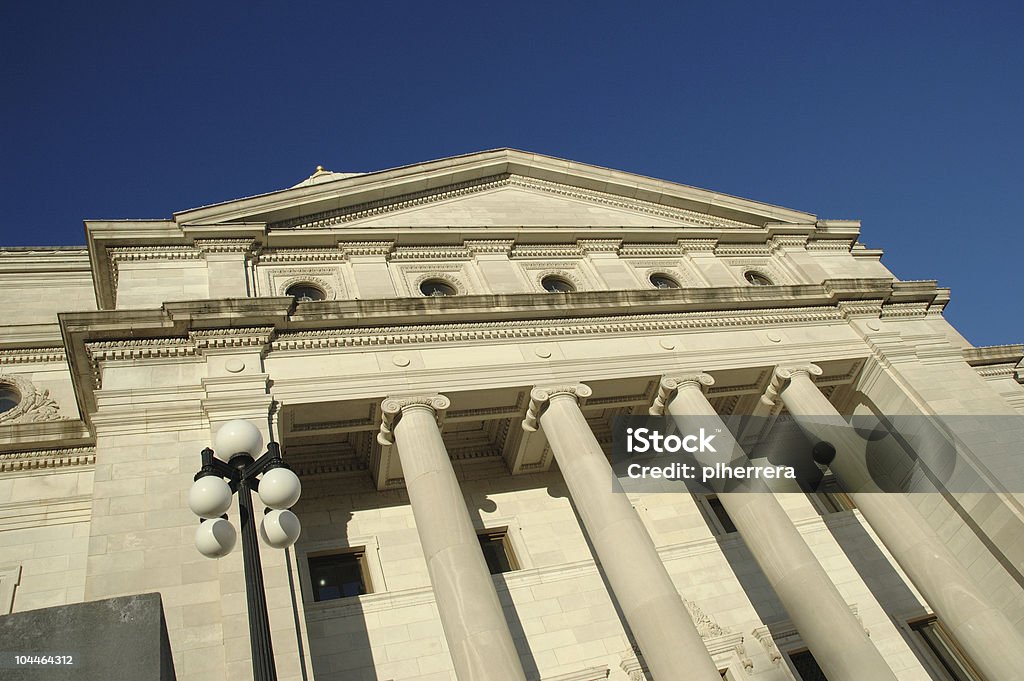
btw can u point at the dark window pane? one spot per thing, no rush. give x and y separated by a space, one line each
495 548
437 288
663 281
720 513
305 293
945 650
833 497
807 667
557 285
756 278
9 398
337 576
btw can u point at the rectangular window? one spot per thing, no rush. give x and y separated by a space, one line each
806 666
943 651
717 516
497 550
831 496
339 575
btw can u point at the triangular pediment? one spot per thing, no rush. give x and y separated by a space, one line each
508 201
503 187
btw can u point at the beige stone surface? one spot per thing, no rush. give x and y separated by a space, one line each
170 327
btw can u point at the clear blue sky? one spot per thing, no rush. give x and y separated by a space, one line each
906 116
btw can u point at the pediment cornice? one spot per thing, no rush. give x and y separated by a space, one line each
353 213
352 198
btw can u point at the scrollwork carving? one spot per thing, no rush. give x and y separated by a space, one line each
670 385
540 397
393 407
782 375
706 627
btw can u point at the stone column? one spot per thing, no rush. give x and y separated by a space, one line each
652 606
824 620
981 629
474 625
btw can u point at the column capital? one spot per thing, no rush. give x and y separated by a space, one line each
541 396
392 409
783 374
670 385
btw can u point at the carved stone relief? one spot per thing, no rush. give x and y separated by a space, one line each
32 405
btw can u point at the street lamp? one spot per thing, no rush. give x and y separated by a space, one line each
237 470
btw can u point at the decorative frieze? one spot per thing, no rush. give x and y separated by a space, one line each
234 338
226 245
366 248
599 245
195 344
120 254
431 253
651 251
831 246
32 355
489 246
905 310
553 328
692 246
546 251
302 255
784 241
46 459
743 250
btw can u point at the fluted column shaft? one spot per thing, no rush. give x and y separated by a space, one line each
981 629
821 615
653 608
474 625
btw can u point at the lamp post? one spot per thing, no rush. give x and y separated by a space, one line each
237 469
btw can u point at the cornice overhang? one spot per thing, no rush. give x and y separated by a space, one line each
994 354
180 322
375 186
19 437
997 361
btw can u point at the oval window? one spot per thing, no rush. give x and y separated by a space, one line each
756 278
9 398
305 293
663 281
436 288
553 284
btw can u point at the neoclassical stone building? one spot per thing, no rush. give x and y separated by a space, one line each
442 350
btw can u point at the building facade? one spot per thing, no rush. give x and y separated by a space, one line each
442 351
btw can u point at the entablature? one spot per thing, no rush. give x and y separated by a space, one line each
282 325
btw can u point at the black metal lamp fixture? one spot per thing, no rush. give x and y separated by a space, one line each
237 469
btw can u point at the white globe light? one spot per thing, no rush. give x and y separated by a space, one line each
209 497
280 488
237 437
280 529
215 538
